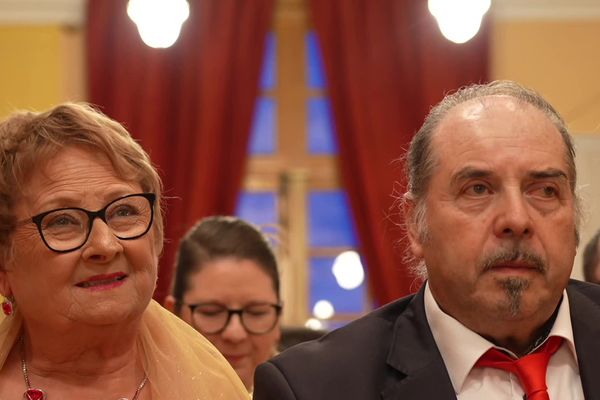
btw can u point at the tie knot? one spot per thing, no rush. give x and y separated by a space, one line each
530 369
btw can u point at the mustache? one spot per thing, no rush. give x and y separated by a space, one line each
507 255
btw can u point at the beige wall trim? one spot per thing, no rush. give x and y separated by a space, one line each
71 12
546 9
41 12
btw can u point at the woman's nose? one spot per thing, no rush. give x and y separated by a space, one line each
102 245
234 331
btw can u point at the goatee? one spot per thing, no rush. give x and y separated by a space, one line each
514 288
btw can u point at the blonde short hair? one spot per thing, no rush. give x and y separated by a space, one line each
29 139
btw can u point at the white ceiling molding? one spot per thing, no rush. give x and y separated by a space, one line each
41 12
546 9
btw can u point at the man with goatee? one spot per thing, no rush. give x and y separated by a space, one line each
492 220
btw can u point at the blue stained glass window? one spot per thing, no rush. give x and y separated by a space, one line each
269 70
325 287
321 138
316 76
259 208
330 220
263 139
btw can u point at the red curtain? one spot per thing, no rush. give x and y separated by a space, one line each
386 64
190 106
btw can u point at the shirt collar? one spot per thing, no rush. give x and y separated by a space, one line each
460 347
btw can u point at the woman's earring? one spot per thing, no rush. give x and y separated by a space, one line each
8 307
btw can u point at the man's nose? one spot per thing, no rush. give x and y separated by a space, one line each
514 216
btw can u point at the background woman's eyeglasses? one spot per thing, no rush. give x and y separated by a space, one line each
213 318
67 229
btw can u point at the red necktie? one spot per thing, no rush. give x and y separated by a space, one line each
531 369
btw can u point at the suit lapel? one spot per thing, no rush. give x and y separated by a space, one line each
419 371
585 320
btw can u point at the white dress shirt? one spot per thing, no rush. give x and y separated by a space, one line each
460 348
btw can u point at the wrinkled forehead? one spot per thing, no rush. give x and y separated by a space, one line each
495 126
46 166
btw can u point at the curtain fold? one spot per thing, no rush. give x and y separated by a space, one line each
386 64
190 105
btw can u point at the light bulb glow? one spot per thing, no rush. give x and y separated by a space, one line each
459 20
348 270
323 309
159 21
314 324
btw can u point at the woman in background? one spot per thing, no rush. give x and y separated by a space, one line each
227 287
81 231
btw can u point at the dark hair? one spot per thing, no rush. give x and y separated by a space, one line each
219 237
591 258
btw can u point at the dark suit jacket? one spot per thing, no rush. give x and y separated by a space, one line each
391 354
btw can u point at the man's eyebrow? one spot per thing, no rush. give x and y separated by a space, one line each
476 173
470 173
549 173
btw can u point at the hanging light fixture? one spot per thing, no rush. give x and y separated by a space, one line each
459 20
158 21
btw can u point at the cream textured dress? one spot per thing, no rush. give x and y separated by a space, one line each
180 362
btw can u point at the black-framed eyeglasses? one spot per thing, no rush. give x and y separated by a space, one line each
67 229
213 318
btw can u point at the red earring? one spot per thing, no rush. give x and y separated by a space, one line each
7 307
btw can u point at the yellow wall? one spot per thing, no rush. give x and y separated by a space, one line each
39 67
560 59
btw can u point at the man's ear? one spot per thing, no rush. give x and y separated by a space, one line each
170 303
413 231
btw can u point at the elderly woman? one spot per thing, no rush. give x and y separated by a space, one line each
227 287
80 237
